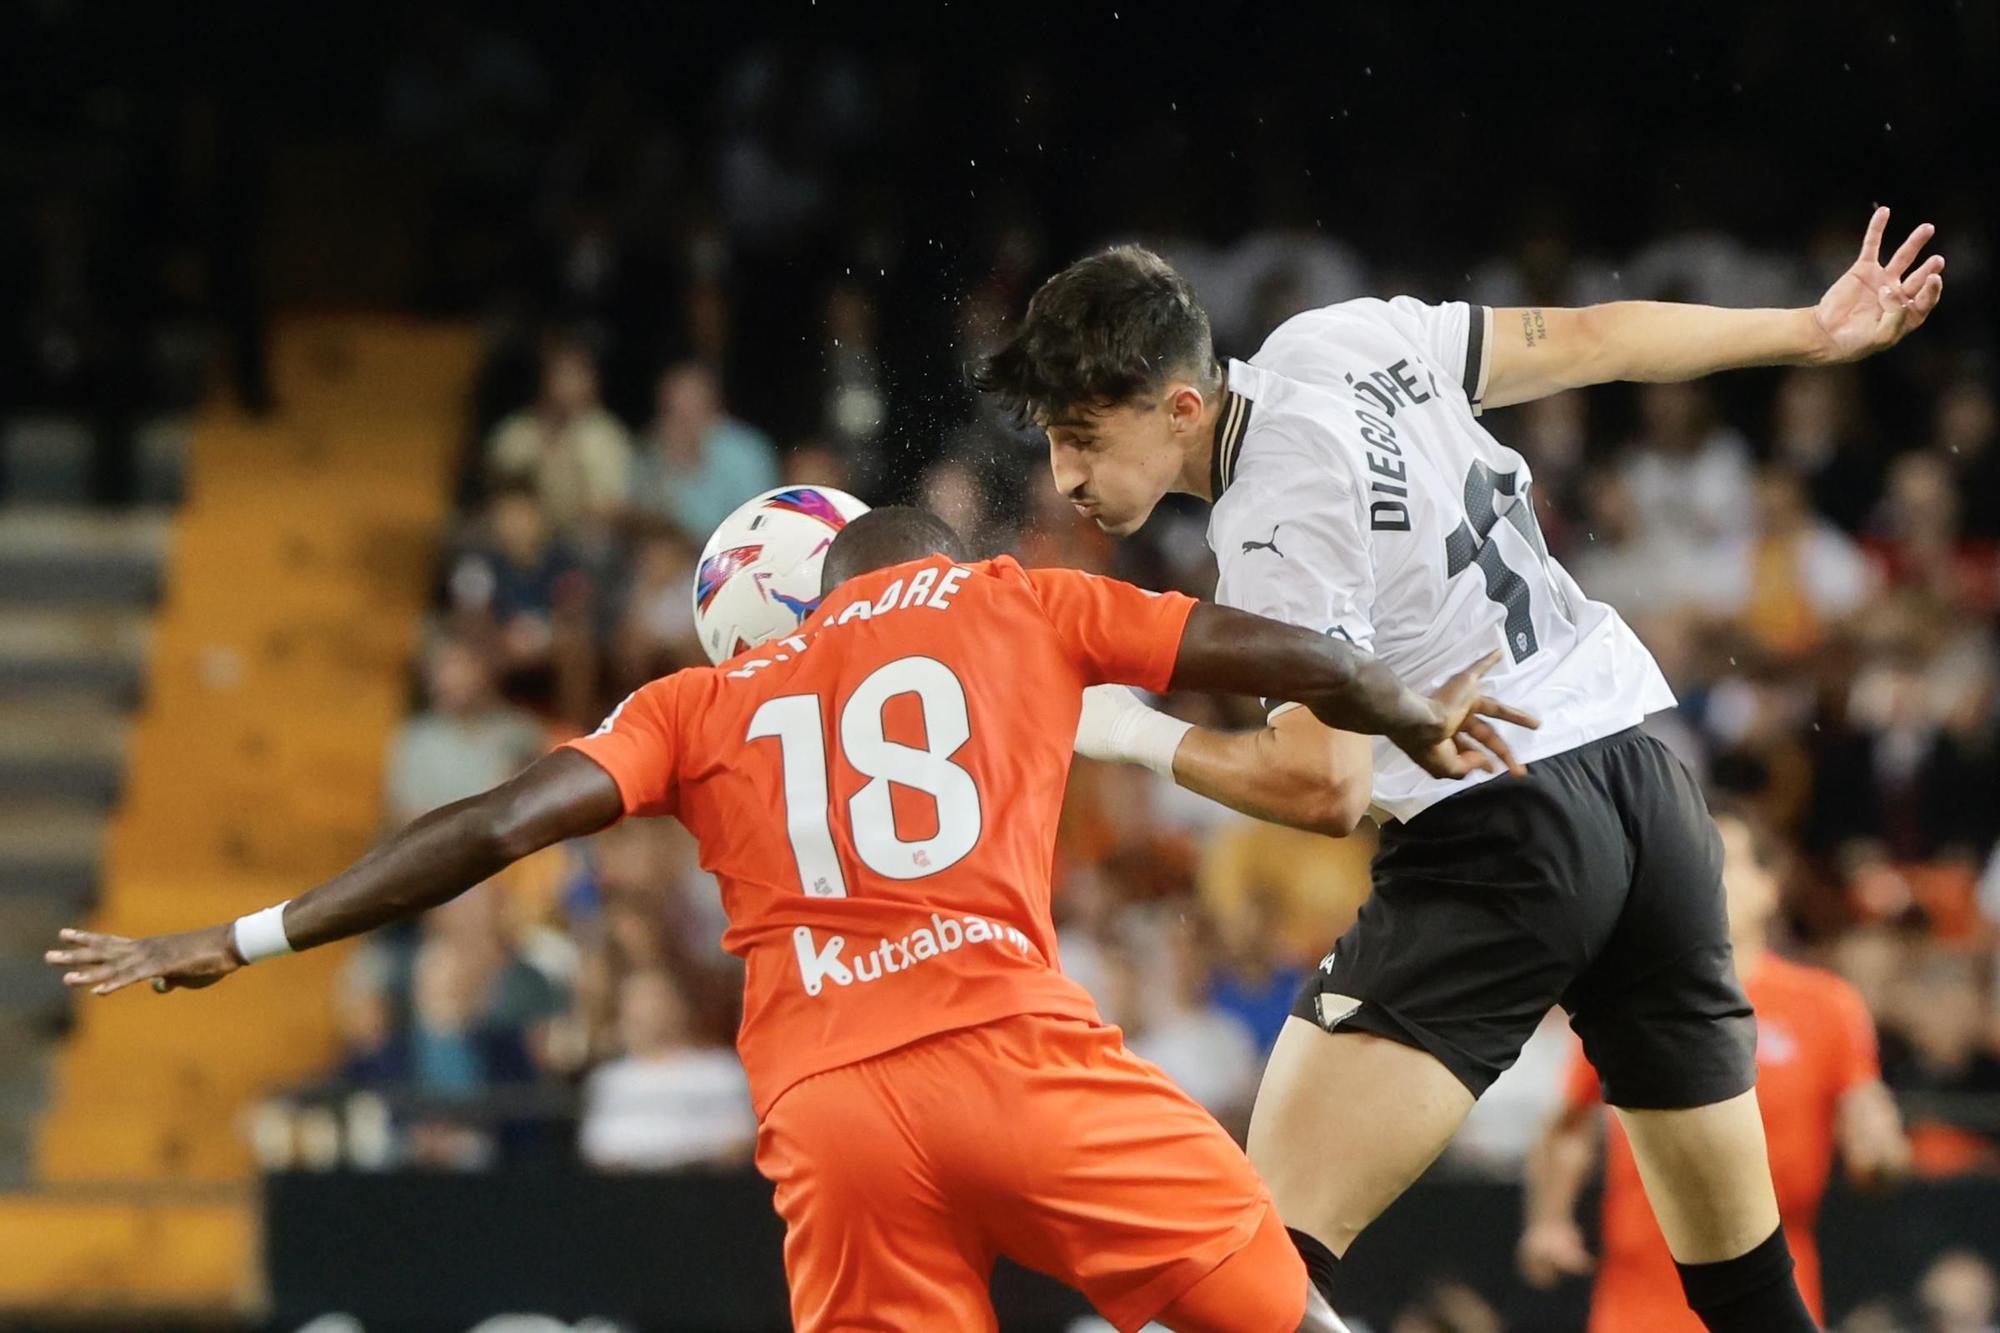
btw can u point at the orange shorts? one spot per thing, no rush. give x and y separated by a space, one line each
901 1177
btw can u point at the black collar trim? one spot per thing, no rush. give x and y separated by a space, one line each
1231 424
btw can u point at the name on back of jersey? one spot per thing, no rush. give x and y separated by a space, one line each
929 587
1391 389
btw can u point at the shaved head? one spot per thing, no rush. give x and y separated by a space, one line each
888 536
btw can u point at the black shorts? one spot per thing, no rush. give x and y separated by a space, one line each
1594 882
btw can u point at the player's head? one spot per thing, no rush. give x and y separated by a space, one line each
883 537
1750 864
1114 362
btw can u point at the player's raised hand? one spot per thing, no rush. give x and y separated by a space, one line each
1459 740
1874 305
105 963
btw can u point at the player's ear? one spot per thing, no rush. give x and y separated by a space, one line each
1184 405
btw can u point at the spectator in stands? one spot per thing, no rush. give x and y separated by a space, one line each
1553 433
697 462
856 401
574 453
1794 578
525 590
503 995
666 1101
449 1050
1959 1294
1250 978
1819 432
1689 473
1209 1052
464 741
1506 1121
1938 1044
1968 434
816 463
639 901
1905 767
952 491
1624 558
1918 535
654 633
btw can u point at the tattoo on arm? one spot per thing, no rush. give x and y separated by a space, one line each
1533 328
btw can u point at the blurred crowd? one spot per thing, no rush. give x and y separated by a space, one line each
1811 554
1821 587
770 265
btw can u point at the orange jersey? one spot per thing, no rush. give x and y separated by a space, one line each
878 794
1815 1042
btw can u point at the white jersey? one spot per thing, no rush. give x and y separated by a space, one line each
1357 495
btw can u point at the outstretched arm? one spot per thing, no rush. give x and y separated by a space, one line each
430 861
1869 1129
1871 308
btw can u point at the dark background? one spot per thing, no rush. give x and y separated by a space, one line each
725 180
211 162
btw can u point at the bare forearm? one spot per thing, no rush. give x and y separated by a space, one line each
1557 1169
1538 352
428 862
434 859
1869 1130
1250 773
442 854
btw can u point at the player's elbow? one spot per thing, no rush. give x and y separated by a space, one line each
1319 776
502 828
1328 804
1587 346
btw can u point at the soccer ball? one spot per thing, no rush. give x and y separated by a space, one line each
759 573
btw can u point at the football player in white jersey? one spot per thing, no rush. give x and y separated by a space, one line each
1356 493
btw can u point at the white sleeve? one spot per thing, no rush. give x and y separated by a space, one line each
1456 337
1290 544
1452 339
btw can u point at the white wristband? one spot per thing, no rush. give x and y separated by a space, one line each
1154 738
261 935
1117 727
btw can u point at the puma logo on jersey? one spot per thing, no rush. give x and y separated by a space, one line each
820 963
1271 545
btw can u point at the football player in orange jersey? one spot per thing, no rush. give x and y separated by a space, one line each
1818 1085
877 796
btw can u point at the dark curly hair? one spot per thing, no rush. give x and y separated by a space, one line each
1100 333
